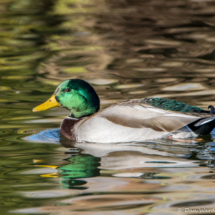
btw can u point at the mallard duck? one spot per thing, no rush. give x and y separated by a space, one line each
128 121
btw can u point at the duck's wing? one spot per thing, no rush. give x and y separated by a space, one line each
135 114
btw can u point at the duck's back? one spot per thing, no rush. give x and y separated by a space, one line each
139 120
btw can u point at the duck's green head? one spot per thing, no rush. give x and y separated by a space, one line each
76 95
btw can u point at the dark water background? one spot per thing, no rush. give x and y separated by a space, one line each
125 49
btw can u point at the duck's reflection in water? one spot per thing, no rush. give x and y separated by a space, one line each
80 166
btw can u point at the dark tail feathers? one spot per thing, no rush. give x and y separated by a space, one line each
203 126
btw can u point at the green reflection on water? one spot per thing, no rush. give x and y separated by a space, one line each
81 166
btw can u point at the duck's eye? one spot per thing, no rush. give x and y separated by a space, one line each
67 90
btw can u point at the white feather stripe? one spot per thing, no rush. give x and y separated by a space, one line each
157 110
204 121
149 108
181 115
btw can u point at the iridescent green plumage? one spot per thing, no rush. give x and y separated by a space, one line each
168 104
77 96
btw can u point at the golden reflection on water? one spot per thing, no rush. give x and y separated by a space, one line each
125 49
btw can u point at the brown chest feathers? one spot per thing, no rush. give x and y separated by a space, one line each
66 128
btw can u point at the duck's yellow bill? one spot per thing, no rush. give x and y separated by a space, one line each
50 103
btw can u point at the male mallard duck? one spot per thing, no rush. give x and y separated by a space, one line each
132 120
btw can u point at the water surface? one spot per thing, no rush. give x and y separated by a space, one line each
125 49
